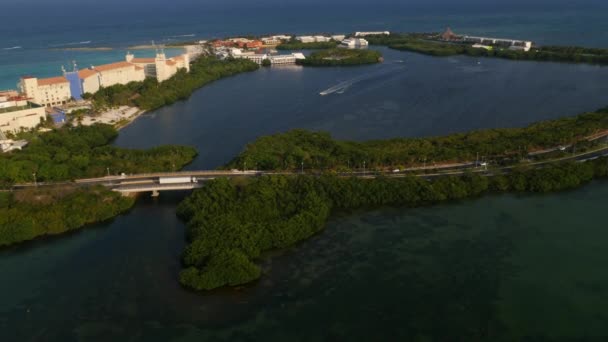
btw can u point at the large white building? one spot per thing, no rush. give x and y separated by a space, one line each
96 77
49 92
17 113
56 91
160 67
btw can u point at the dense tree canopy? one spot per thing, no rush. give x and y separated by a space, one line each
340 57
231 222
32 213
79 152
420 43
297 45
318 150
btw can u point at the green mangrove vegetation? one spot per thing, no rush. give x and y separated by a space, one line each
317 150
150 94
231 223
341 57
33 213
422 43
297 45
79 152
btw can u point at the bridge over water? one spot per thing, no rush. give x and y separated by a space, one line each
151 182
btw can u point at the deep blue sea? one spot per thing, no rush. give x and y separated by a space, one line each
33 39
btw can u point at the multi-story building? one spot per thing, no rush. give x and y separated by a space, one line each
96 77
56 91
17 113
48 92
160 67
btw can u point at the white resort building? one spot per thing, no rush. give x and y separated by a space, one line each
94 78
286 59
377 33
354 42
17 113
53 91
512 44
56 91
160 67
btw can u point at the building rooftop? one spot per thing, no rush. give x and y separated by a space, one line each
143 60
113 66
86 73
52 80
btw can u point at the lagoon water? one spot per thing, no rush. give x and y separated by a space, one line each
498 267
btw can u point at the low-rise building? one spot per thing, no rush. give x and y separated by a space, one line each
17 114
376 33
255 57
354 42
512 44
322 39
306 39
338 37
271 41
286 59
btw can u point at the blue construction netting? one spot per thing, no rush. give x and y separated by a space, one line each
75 84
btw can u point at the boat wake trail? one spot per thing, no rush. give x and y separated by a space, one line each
341 87
12 48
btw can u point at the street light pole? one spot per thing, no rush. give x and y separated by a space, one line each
35 181
302 164
364 168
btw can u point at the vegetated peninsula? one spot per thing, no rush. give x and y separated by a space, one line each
81 152
449 44
231 223
63 155
298 45
33 213
342 57
503 146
